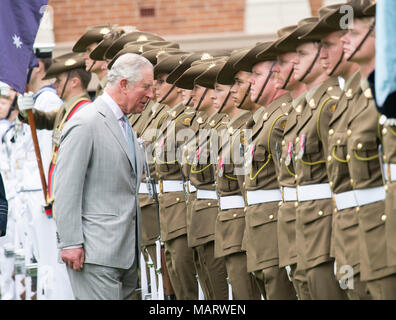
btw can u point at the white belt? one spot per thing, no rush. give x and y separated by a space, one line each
392 169
144 190
369 195
206 194
263 196
231 202
314 192
345 200
172 185
289 194
190 187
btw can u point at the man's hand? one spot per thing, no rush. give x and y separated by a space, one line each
74 258
25 102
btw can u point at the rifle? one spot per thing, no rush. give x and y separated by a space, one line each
162 270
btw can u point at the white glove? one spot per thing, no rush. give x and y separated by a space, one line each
25 102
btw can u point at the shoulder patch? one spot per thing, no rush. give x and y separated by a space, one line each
333 107
187 121
283 124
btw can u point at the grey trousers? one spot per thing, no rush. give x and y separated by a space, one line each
97 282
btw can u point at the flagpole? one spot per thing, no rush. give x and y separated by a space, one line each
32 124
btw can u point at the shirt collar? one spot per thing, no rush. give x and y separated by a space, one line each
118 113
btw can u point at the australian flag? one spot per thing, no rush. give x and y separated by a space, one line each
19 23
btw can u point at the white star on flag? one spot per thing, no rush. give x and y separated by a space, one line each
17 41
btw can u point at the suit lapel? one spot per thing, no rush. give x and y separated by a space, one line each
111 122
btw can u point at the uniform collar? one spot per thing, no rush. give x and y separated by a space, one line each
71 102
235 119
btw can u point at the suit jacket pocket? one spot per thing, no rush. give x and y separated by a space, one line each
229 229
172 215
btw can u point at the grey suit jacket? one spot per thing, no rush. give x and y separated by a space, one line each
96 188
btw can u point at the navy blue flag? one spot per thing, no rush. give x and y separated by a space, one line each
19 23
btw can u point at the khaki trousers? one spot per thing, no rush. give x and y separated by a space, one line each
244 286
212 273
274 284
180 264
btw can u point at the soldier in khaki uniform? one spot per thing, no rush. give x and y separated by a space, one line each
284 74
86 44
202 198
262 191
314 203
345 243
361 153
70 84
230 222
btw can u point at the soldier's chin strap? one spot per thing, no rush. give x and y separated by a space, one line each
64 86
225 101
288 78
363 40
265 83
199 103
92 65
189 101
313 62
167 94
246 95
337 64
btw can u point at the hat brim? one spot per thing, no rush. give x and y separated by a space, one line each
291 41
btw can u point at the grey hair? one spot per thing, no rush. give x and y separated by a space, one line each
128 66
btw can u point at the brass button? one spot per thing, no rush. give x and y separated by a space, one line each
359 146
383 217
234 215
348 157
357 209
331 132
339 141
384 131
177 199
271 217
296 204
352 182
280 203
329 158
283 143
320 213
349 132
209 204
331 184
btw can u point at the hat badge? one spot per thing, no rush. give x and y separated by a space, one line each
70 62
141 38
104 31
206 56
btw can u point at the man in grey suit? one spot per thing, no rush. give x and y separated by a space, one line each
97 178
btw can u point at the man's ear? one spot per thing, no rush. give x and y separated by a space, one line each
124 85
75 82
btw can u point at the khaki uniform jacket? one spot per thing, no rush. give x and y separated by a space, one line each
364 136
260 238
314 217
230 223
51 120
201 218
389 148
101 86
150 230
286 225
345 235
172 204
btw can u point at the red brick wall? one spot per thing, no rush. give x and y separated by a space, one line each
171 17
315 5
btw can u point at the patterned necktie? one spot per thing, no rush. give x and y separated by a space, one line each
130 140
